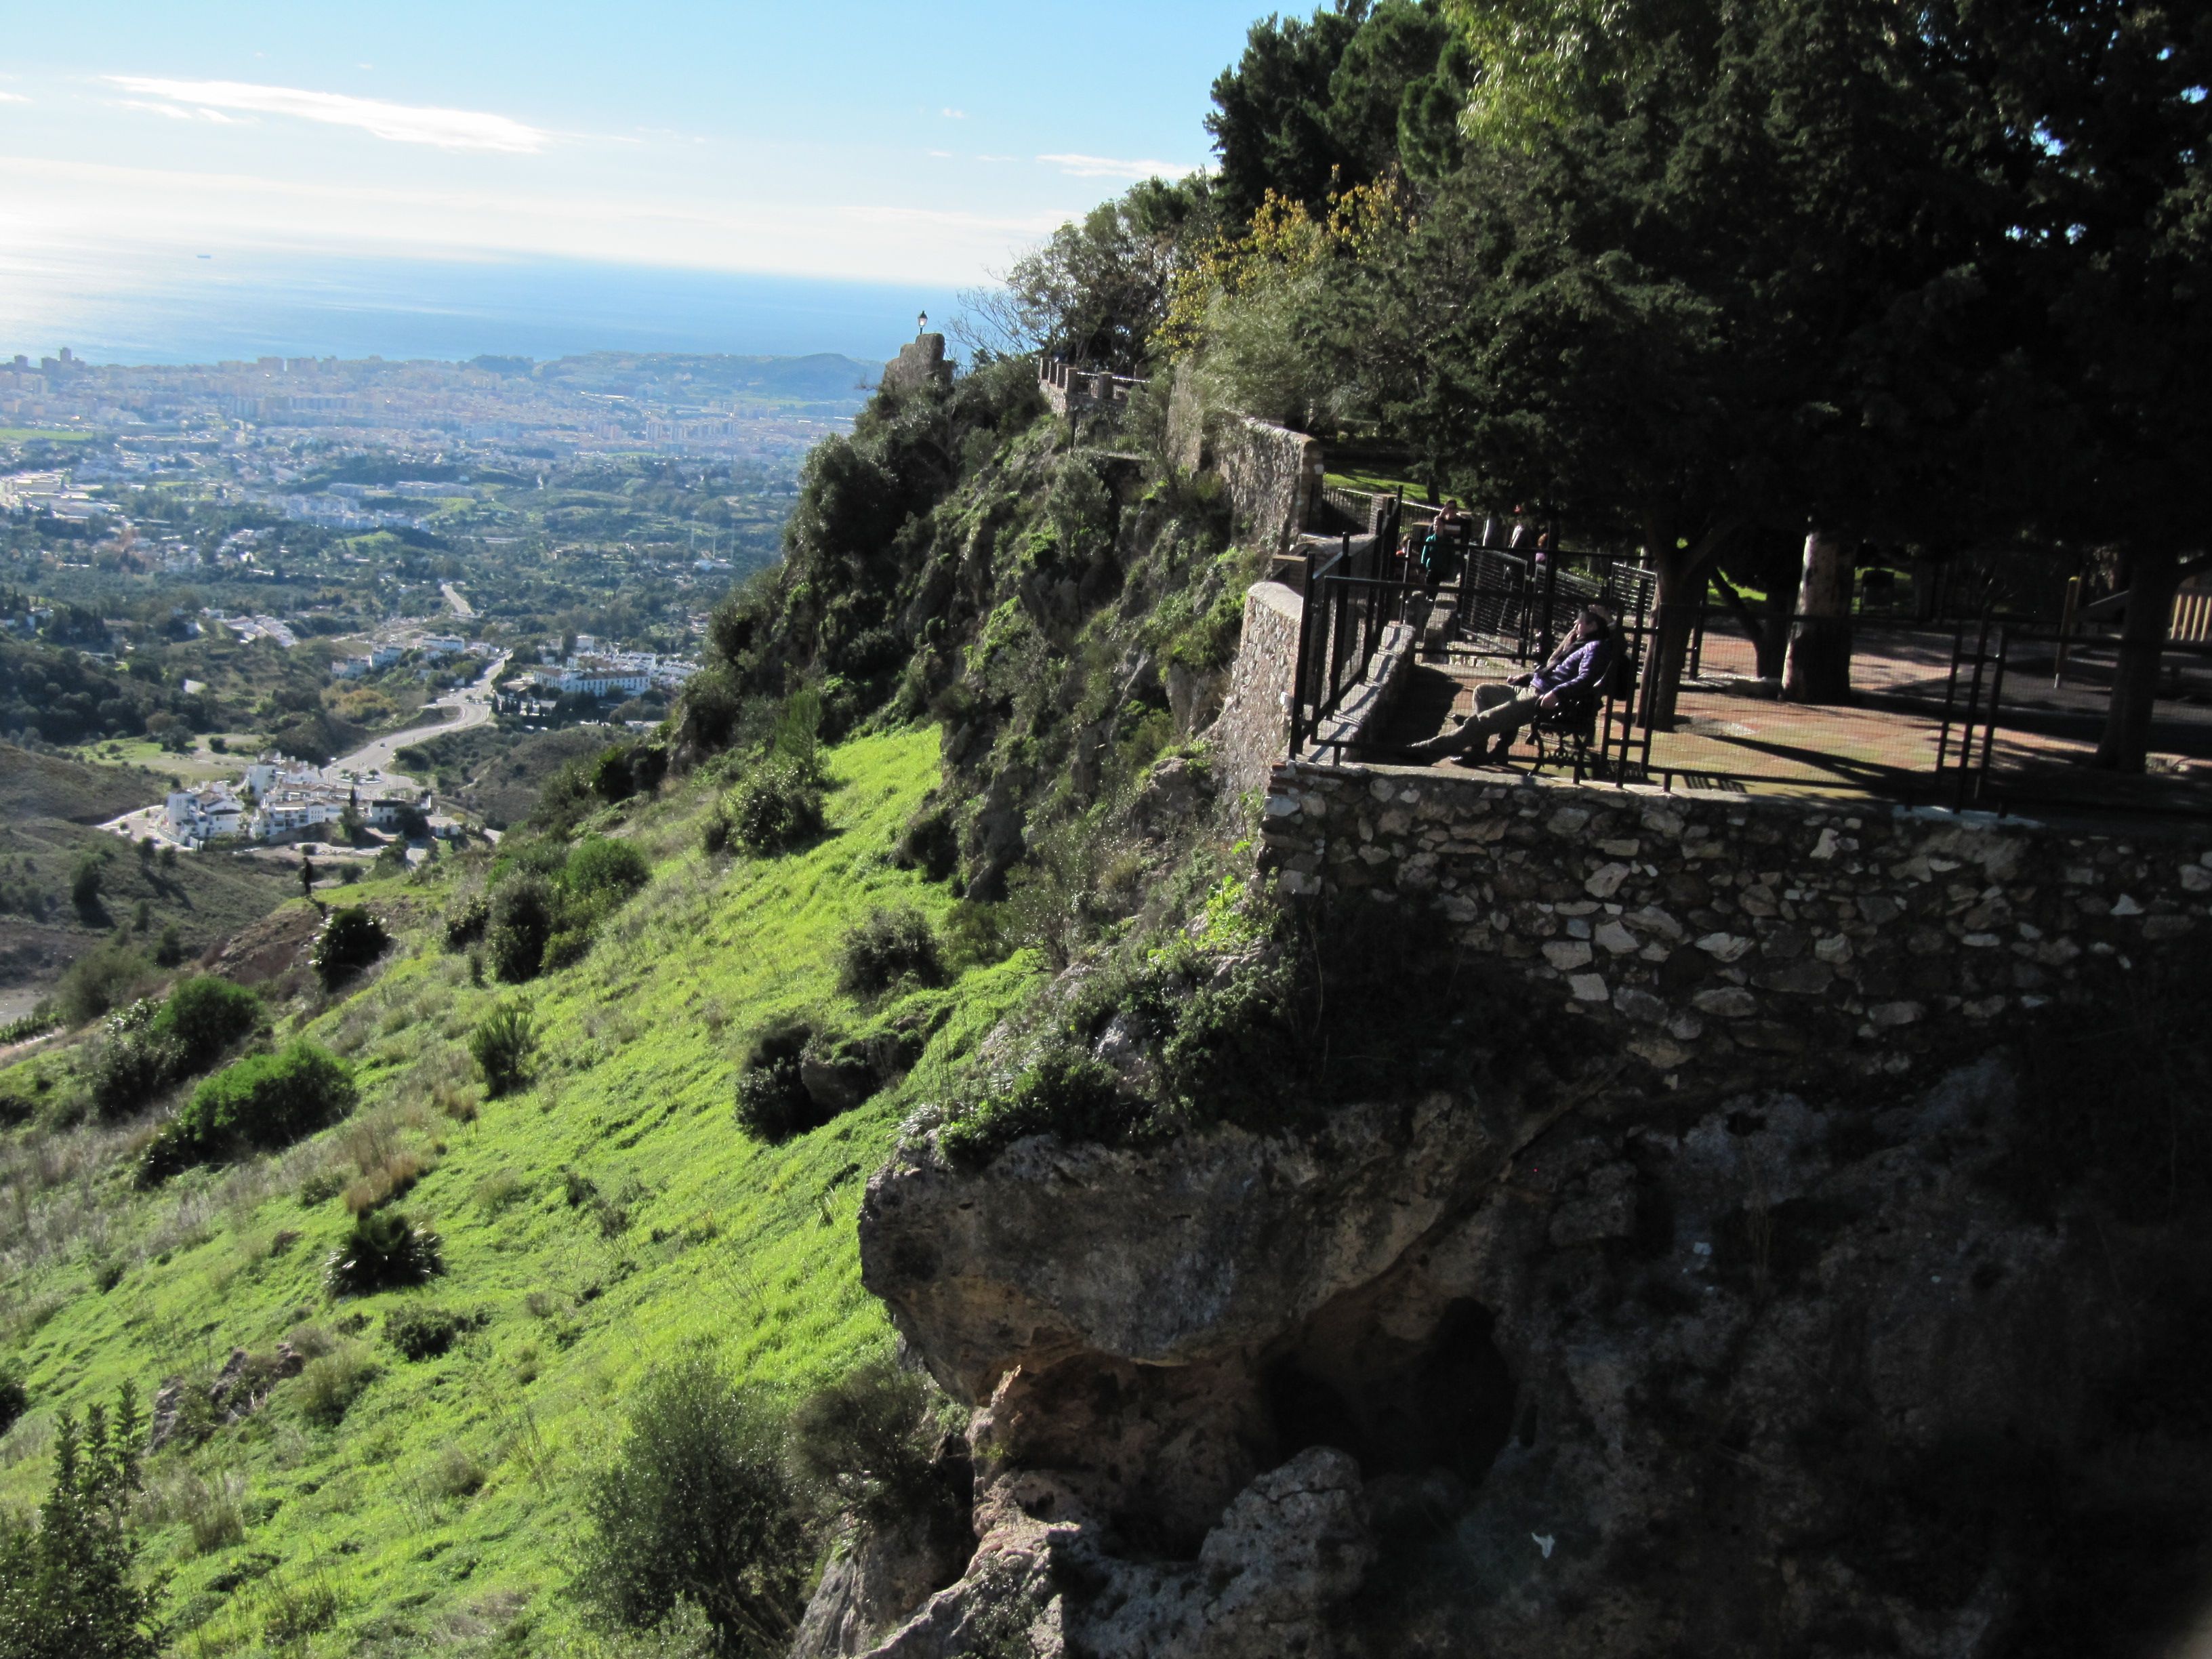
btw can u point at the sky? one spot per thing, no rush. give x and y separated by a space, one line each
874 143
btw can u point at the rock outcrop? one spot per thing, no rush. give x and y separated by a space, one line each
1613 1376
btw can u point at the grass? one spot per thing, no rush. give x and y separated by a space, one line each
55 435
1375 482
413 1497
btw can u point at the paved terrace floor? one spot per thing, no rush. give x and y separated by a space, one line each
1732 736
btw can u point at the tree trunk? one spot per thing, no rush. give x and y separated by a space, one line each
1818 665
1675 616
2126 741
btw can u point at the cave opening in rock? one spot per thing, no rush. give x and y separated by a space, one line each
1398 1406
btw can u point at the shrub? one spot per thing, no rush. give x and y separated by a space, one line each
131 1058
102 979
1064 1092
71 1583
87 876
171 949
891 947
606 870
420 1331
144 1047
699 1507
350 940
457 1475
386 1179
714 833
773 1103
15 1398
778 807
521 921
205 1016
871 1437
502 1046
384 1251
466 920
930 844
331 1383
265 1100
610 775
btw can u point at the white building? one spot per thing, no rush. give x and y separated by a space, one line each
198 815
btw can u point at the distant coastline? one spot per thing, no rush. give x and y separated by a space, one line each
181 307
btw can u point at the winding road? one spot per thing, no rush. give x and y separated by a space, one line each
472 707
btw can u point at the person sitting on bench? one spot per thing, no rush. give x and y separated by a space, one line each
1574 674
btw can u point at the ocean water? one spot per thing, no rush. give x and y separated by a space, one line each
181 308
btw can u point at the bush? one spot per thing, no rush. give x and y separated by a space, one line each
603 870
521 920
143 1048
714 833
171 949
611 777
773 1103
930 844
100 980
465 921
778 807
15 1398
131 1060
699 1507
87 876
71 1585
350 940
891 947
420 1331
331 1383
265 1100
384 1251
1064 1092
871 1437
502 1046
203 1016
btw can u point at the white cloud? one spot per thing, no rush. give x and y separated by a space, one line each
403 124
13 98
954 114
49 204
1102 167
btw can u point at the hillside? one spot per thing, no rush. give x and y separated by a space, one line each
598 1223
48 804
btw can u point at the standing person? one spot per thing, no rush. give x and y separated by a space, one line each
1575 670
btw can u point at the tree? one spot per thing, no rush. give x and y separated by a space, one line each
70 1587
1098 287
1720 279
698 1507
87 876
2104 104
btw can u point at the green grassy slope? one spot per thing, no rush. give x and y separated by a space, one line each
704 1236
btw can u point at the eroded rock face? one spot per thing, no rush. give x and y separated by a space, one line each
1744 1376
1171 1256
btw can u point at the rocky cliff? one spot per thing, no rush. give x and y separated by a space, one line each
1592 1373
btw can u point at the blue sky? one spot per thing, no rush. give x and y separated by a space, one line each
826 137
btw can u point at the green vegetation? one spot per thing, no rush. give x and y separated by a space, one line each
699 1506
350 939
263 1101
71 1586
502 1046
603 1218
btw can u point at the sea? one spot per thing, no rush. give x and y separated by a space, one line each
186 308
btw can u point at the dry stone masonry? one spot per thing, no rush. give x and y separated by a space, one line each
1716 931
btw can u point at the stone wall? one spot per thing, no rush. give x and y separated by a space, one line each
1253 730
1746 938
1273 476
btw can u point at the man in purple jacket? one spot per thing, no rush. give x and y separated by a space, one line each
1575 672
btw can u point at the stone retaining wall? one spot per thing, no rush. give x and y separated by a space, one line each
1718 932
1253 730
1273 476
